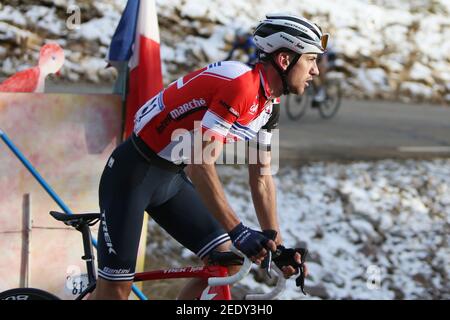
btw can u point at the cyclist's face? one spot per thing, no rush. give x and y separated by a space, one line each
303 72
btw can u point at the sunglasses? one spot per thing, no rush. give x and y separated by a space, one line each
324 40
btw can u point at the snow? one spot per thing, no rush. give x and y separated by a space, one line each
194 9
420 72
45 18
97 29
387 210
381 44
363 30
386 221
91 65
372 79
51 23
213 47
8 66
418 88
10 14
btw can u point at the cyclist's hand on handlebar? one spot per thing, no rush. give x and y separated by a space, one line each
289 270
270 245
292 261
254 244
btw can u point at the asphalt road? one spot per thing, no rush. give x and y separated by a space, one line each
368 130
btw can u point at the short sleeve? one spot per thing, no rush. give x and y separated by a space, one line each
225 108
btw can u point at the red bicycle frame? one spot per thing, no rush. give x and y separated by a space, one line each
210 293
216 275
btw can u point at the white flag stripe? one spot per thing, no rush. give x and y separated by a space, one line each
147 26
148 20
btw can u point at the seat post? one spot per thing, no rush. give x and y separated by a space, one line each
88 251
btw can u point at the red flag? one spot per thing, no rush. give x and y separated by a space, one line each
145 79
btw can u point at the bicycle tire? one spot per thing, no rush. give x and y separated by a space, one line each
329 107
27 294
296 108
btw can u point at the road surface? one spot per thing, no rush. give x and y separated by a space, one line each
368 130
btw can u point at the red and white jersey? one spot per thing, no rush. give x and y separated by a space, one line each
231 100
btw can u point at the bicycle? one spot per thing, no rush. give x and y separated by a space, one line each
217 273
296 105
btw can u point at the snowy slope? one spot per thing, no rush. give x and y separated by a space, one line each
389 215
387 49
386 221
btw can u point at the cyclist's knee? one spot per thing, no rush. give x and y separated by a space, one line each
221 248
224 246
115 290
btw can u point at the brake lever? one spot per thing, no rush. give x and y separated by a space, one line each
267 262
300 280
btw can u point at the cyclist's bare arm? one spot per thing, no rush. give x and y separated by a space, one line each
263 192
207 183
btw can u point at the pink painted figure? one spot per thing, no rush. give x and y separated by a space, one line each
51 59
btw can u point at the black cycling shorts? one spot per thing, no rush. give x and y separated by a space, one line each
130 185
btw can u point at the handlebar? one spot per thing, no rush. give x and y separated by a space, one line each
245 269
273 294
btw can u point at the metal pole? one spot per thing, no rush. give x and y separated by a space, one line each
26 237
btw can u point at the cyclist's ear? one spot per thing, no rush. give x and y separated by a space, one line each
283 59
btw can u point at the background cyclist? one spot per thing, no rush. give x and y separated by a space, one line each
243 42
325 62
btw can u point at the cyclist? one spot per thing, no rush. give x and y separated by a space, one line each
244 42
231 101
325 62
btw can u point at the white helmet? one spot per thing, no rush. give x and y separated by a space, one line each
288 32
281 31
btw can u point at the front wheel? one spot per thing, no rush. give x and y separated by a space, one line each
27 294
296 106
330 106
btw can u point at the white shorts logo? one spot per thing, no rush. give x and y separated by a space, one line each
106 235
111 162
